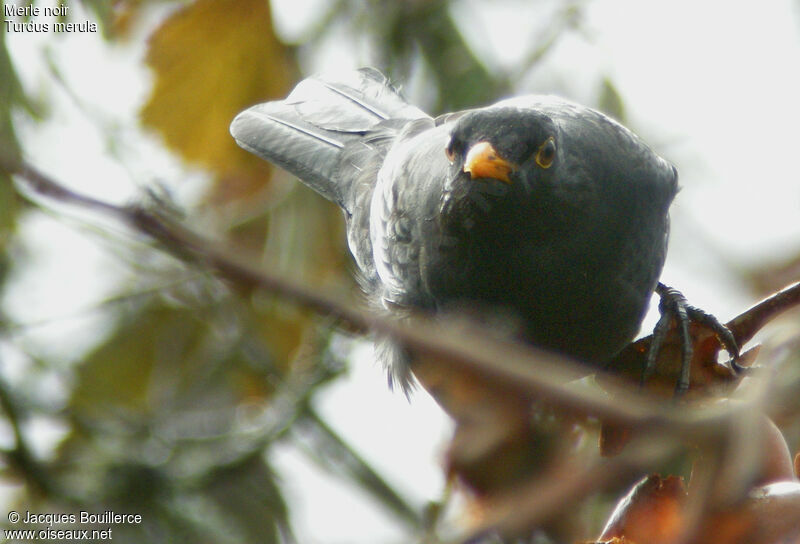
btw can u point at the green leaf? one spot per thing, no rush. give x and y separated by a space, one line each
610 101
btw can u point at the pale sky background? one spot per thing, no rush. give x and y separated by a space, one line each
713 86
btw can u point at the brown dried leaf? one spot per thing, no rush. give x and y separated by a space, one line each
708 376
492 439
769 515
776 459
651 513
654 512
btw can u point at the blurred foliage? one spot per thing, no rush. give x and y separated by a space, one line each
173 413
157 426
611 102
11 96
428 29
210 58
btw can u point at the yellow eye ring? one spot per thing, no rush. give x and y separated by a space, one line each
546 153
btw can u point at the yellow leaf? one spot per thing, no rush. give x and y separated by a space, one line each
211 59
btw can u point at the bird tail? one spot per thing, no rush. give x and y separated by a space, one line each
308 132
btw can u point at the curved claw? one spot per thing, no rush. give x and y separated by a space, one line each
674 305
723 333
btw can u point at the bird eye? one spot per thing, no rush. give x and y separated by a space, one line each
546 153
450 152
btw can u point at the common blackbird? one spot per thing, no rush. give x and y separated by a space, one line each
533 207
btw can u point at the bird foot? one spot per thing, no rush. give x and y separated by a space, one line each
674 306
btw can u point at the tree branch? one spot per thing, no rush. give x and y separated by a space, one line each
520 368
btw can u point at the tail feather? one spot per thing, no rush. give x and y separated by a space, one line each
276 132
307 132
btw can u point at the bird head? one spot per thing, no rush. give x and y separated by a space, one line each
510 145
554 156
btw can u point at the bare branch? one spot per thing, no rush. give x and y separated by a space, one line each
521 368
462 346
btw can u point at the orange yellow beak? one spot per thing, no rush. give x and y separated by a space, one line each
483 161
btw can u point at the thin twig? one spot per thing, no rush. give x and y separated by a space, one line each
22 455
520 367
